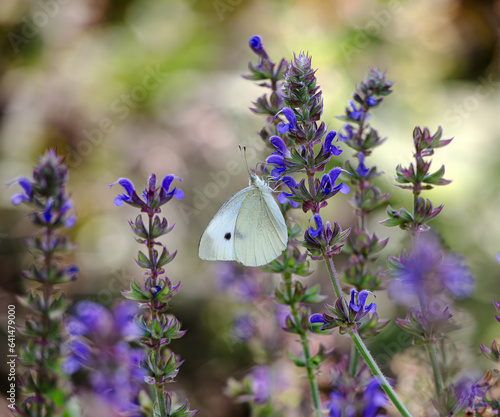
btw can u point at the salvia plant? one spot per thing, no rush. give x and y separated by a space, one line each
157 328
304 160
43 383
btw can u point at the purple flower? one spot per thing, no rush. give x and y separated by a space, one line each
348 134
79 355
344 316
284 197
328 183
357 303
353 112
260 378
27 193
47 213
280 146
290 115
256 45
94 316
371 101
130 196
362 169
124 313
316 318
337 407
150 195
328 145
165 194
279 165
319 226
75 327
425 274
255 42
374 399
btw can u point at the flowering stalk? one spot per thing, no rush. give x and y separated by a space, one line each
155 294
418 178
362 246
291 292
42 356
427 279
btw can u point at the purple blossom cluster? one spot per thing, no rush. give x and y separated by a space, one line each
98 349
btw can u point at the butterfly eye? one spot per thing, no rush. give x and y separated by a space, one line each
227 236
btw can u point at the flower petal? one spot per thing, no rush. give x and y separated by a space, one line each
276 160
283 127
289 181
255 42
178 194
329 139
126 184
319 224
17 199
167 181
344 188
278 143
290 115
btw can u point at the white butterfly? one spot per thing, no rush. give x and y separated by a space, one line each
248 228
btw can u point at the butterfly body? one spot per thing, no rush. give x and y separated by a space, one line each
248 228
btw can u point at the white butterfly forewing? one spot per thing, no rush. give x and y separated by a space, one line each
248 228
217 241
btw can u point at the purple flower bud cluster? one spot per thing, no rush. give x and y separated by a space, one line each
46 193
269 75
418 178
52 210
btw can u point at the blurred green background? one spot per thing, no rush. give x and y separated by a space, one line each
126 88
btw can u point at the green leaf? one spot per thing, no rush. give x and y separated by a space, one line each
143 261
300 362
312 295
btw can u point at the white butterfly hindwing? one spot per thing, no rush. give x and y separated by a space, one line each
248 228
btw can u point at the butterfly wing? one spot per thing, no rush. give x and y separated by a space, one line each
217 241
260 230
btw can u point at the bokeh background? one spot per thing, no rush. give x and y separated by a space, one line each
126 88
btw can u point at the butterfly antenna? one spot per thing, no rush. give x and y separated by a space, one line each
243 151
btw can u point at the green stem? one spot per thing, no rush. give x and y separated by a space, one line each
361 347
333 274
436 371
353 361
377 372
313 384
160 398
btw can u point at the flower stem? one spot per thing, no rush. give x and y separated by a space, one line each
353 361
436 371
333 274
161 400
361 347
313 384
